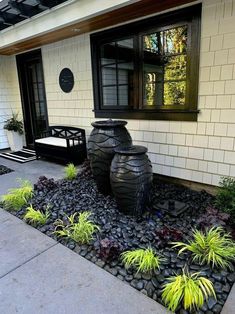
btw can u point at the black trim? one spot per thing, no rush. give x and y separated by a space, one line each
190 16
28 104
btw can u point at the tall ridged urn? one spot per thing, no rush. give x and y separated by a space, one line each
131 179
105 138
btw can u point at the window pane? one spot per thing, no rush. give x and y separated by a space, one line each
174 93
175 68
109 75
123 95
125 50
125 73
108 53
110 96
152 43
174 40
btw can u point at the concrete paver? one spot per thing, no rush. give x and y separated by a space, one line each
19 242
58 280
30 171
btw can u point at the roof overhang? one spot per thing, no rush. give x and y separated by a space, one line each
76 17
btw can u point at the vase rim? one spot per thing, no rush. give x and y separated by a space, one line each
109 123
132 150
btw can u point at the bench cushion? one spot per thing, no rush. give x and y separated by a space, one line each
55 141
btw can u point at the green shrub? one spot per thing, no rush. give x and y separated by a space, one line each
225 198
18 197
36 216
81 231
145 260
70 172
214 247
192 289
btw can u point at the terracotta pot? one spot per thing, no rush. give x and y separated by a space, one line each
106 136
131 179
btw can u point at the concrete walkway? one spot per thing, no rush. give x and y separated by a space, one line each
30 171
38 275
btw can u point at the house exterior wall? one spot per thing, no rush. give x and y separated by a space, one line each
199 151
9 94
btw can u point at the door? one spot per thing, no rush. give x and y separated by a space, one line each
33 95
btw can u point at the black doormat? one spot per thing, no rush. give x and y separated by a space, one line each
21 156
4 170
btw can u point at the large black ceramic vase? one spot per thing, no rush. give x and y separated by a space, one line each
106 136
131 179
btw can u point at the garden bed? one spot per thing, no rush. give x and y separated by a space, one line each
65 197
4 170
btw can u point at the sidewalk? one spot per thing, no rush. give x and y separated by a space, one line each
29 171
38 275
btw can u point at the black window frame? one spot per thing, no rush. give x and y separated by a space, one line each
190 16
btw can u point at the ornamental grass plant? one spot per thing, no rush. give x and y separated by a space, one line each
192 290
214 247
70 172
36 216
80 231
16 198
144 260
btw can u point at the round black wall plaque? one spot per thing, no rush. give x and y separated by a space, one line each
66 80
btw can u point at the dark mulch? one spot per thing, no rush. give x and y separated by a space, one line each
81 194
4 170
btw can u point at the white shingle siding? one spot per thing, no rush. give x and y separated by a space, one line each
199 151
9 94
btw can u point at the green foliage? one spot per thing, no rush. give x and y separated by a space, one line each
214 247
14 124
81 231
192 289
70 172
18 197
145 260
36 216
225 198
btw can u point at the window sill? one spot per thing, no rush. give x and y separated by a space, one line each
173 115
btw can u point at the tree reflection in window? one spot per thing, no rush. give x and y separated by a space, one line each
164 67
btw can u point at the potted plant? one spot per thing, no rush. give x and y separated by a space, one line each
14 128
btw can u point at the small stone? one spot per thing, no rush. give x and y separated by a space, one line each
231 278
160 278
155 282
146 276
137 284
122 272
226 288
195 267
211 302
144 292
154 296
100 263
137 276
180 264
128 277
217 309
218 287
113 271
217 276
120 277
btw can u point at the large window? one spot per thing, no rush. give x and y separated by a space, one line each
148 69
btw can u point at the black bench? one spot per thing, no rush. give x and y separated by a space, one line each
63 143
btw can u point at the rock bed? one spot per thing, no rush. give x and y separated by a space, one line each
4 170
81 194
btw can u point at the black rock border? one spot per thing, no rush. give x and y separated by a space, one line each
81 194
